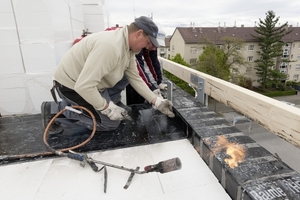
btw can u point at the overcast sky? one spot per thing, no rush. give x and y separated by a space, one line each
169 14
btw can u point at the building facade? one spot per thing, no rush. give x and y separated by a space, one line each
186 42
164 51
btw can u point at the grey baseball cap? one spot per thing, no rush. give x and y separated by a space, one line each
149 27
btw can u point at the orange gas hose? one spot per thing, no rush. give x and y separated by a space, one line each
74 147
53 151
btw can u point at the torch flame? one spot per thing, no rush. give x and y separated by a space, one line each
235 151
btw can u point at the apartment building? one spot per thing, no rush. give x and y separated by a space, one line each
164 51
186 42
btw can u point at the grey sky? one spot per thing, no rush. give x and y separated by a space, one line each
169 14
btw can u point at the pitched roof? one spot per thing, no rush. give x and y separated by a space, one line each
193 34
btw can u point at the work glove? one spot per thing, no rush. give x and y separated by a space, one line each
163 86
114 112
164 106
157 93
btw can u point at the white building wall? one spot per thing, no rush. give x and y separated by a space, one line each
34 35
293 69
177 45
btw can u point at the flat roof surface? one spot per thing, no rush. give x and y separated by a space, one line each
63 178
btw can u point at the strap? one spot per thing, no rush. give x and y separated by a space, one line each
55 85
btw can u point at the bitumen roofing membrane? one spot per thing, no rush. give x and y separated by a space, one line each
260 175
22 136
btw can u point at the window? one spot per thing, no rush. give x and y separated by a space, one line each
248 69
283 71
250 58
194 50
283 65
193 61
285 56
296 76
251 47
297 67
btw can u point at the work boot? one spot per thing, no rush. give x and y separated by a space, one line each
55 128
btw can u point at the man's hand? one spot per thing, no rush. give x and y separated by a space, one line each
157 93
163 86
164 106
114 112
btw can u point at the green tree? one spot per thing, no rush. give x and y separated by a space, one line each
178 59
270 43
211 62
222 61
233 57
276 81
180 83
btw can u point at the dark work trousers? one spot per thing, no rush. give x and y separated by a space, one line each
133 97
70 97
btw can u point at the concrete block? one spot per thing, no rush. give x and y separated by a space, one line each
62 29
218 170
24 93
63 35
235 188
259 176
77 26
42 25
76 12
206 154
258 164
9 106
92 9
8 81
93 18
197 113
35 27
94 27
39 90
75 3
6 6
60 7
13 94
284 187
215 130
11 60
60 49
213 122
39 58
92 2
7 21
29 6
232 187
9 37
36 35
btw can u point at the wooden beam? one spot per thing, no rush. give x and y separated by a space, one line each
278 117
